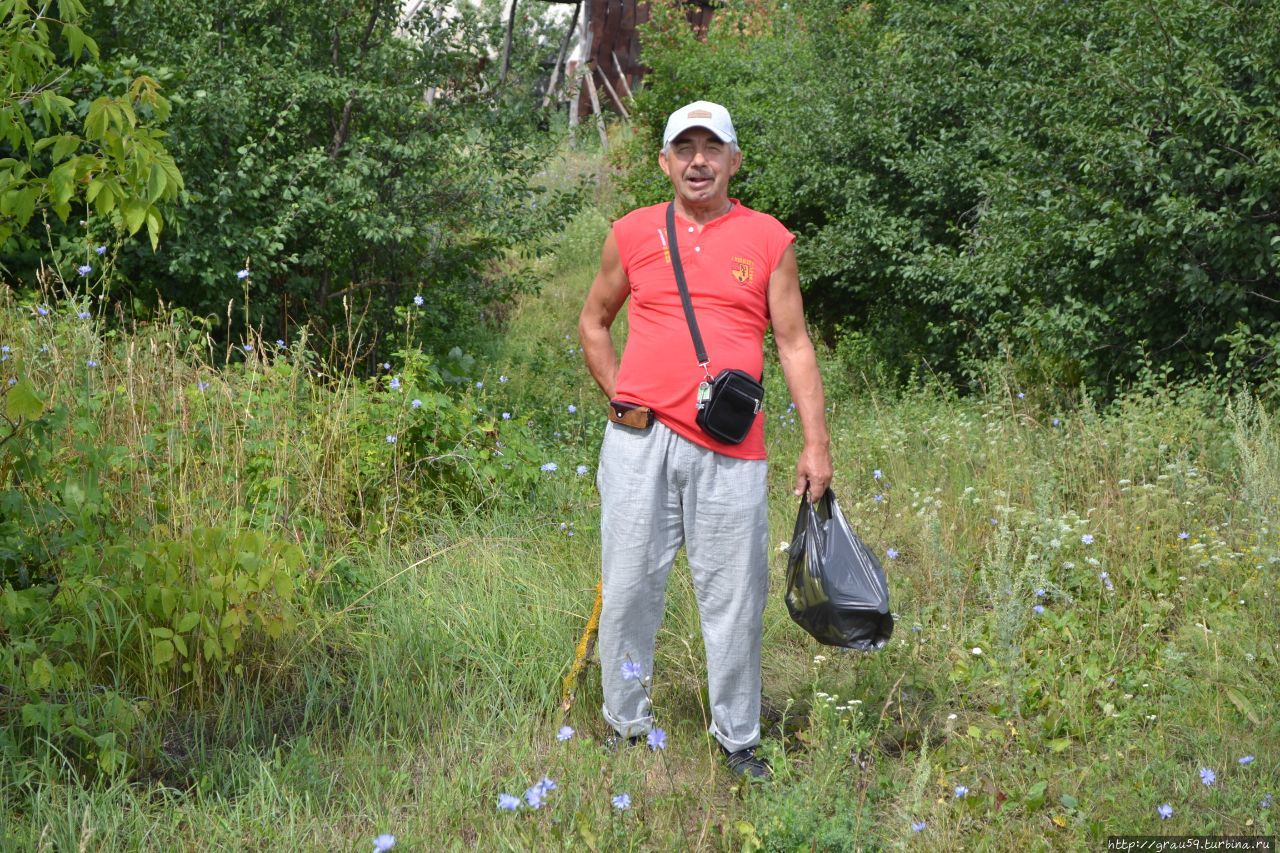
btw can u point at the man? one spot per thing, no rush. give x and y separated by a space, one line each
669 483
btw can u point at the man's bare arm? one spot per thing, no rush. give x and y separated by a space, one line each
608 294
800 367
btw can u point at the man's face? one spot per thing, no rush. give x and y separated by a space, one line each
699 166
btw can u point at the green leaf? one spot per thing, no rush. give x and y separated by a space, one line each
156 182
24 204
162 652
135 213
154 225
22 402
187 621
1034 798
162 633
66 143
105 198
1243 706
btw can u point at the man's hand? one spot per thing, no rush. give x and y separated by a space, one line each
813 470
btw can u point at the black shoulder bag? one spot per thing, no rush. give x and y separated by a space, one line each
728 402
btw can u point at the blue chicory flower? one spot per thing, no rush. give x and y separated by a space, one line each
657 739
565 733
550 467
631 670
243 274
961 790
417 404
84 269
582 470
502 379
1266 801
877 474
534 796
201 385
395 383
1184 535
1207 776
383 843
918 826
508 803
892 553
101 250
878 498
1165 811
84 315
506 416
1040 593
418 300
248 347
1087 539
572 408
391 439
1247 759
42 311
622 802
1038 609
91 363
479 385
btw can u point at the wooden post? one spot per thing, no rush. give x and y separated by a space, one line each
626 87
573 106
617 102
595 105
506 47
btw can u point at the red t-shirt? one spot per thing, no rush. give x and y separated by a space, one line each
727 267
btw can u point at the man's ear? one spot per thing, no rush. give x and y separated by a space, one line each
735 162
663 164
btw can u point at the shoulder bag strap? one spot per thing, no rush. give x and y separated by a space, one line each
684 289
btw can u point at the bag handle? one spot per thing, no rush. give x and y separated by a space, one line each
676 266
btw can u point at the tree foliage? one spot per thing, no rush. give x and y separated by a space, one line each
1085 188
353 155
104 152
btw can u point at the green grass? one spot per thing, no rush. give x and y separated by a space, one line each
433 625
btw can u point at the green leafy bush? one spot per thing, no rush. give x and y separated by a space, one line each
1072 186
352 155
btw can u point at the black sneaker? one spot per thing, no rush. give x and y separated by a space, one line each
745 762
615 742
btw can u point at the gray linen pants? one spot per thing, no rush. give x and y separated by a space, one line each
659 491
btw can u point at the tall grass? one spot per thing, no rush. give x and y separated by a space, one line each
421 680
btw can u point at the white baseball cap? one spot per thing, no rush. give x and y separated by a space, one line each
713 117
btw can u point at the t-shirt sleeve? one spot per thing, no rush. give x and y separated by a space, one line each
779 238
621 236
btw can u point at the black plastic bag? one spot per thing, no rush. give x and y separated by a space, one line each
836 589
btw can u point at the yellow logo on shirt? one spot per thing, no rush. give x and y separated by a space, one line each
743 269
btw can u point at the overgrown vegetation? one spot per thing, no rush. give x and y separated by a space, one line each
247 618
1081 187
285 590
352 155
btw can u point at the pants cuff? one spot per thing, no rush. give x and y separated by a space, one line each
734 745
628 728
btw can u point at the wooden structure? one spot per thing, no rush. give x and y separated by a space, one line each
608 68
